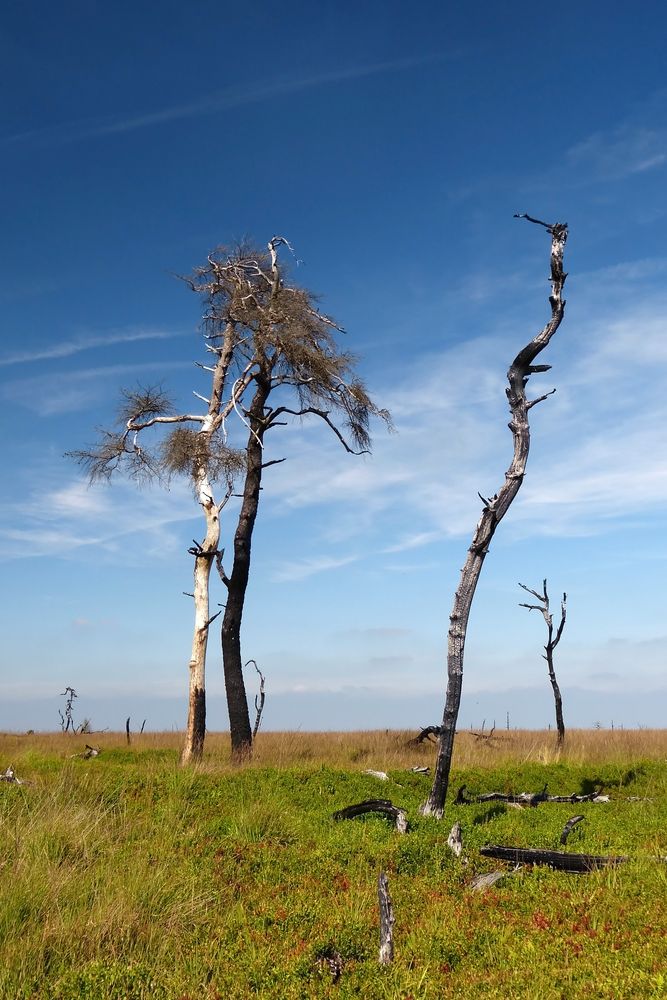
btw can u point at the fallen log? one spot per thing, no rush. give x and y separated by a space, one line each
87 753
490 878
10 777
523 798
526 798
383 806
559 860
426 734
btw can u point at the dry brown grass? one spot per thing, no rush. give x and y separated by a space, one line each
378 749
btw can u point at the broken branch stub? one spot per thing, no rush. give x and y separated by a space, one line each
386 921
455 840
569 826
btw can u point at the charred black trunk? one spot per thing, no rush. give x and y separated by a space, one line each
197 716
237 583
495 508
558 702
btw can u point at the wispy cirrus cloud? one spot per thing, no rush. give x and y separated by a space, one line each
599 443
301 569
598 454
223 100
69 392
620 152
67 348
63 519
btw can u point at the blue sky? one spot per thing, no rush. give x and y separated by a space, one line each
392 146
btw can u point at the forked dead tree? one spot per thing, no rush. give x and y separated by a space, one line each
552 642
494 510
274 355
287 351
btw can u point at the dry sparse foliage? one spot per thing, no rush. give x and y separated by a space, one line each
273 356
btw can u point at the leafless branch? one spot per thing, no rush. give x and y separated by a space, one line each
323 415
259 699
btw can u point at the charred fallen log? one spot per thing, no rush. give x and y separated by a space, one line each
526 798
430 733
382 806
569 826
559 860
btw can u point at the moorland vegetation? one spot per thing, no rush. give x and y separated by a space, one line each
127 877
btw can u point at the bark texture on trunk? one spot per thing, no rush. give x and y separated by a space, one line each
387 920
204 555
560 860
237 582
495 509
558 700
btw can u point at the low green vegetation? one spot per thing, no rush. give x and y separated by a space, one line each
125 877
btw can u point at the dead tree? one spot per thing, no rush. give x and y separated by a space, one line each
260 698
264 339
203 455
495 508
552 642
288 353
67 718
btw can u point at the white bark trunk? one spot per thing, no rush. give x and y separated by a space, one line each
196 725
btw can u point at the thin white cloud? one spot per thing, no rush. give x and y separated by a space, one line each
225 100
597 455
598 446
61 520
621 152
67 348
302 569
68 392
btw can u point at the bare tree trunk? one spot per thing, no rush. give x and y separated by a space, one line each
204 555
237 583
495 509
558 701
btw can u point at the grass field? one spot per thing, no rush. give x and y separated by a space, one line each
124 876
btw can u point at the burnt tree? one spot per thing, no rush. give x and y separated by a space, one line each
495 508
287 351
272 355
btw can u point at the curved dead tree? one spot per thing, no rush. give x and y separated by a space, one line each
494 510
